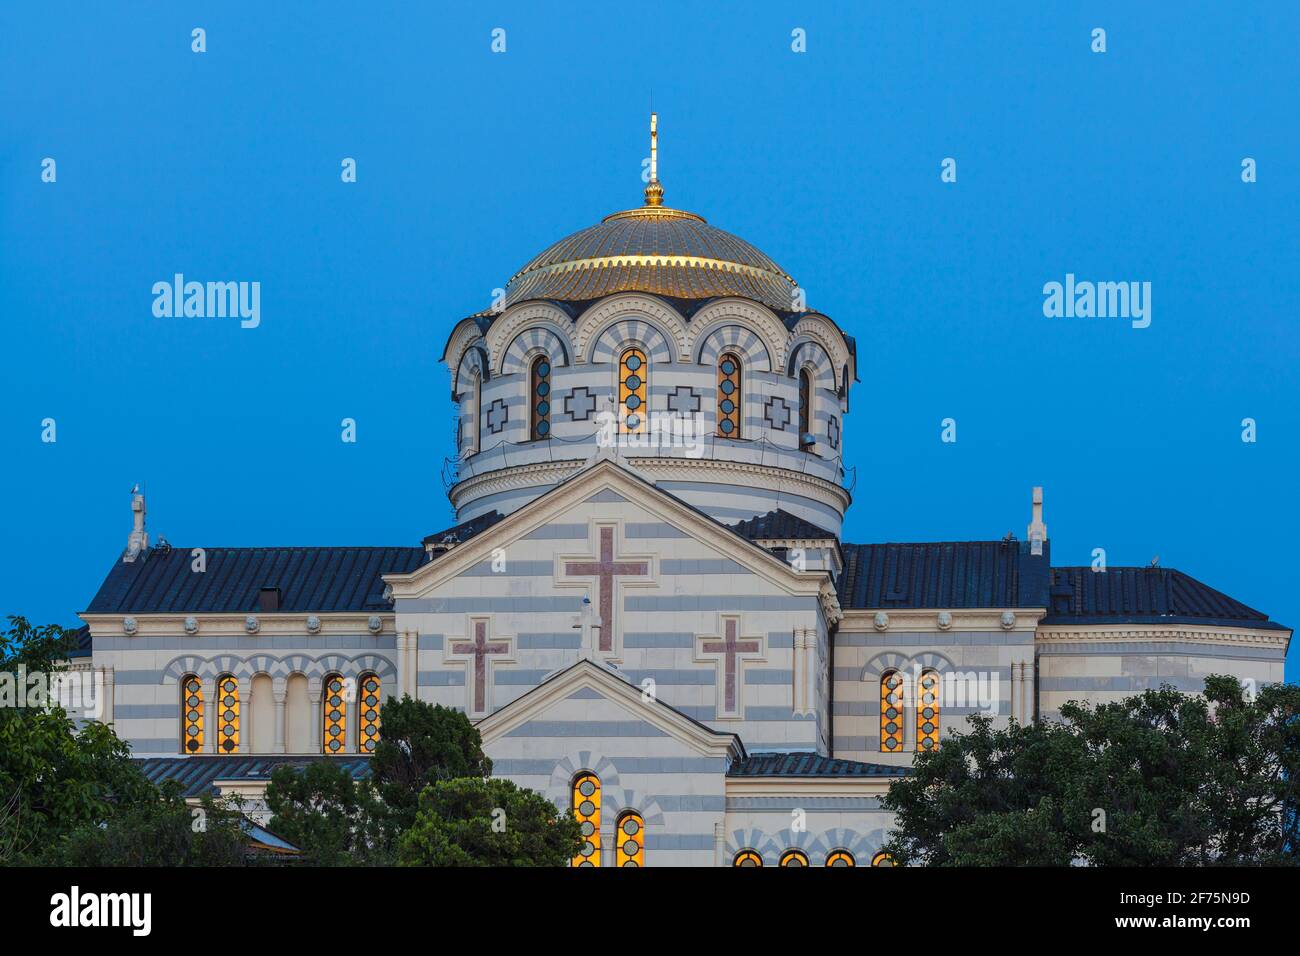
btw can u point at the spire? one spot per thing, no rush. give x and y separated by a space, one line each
654 192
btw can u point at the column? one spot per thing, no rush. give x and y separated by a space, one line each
211 706
810 671
720 843
797 665
313 698
246 718
279 693
106 689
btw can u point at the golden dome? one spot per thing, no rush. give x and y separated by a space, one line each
652 249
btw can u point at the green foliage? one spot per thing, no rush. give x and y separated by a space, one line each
1158 779
334 819
420 744
160 832
476 822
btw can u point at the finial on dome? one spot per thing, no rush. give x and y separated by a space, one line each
654 192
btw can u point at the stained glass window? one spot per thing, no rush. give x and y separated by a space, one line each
805 408
891 712
882 859
840 858
927 711
334 707
631 839
192 707
368 713
540 395
747 858
729 404
632 374
227 715
794 858
472 414
586 808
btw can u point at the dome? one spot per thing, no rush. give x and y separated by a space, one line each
653 249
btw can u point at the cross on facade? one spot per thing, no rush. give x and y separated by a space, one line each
605 570
478 652
729 651
587 621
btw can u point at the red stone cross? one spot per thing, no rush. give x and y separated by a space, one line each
729 647
480 648
605 570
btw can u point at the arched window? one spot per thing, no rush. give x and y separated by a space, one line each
729 397
632 391
927 711
192 708
883 859
631 839
805 409
840 858
586 808
891 712
473 407
368 713
227 715
747 858
794 858
540 397
334 714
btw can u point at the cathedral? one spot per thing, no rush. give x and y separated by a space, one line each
647 606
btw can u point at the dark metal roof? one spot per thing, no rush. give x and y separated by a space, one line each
465 530
944 574
198 773
161 580
779 524
1144 596
809 765
83 646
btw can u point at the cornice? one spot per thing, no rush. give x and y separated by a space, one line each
514 477
278 624
785 787
927 620
1133 633
767 477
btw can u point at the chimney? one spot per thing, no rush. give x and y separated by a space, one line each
268 599
1037 533
139 539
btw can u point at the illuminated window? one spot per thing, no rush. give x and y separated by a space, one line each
747 858
540 396
334 714
891 712
368 713
927 711
227 715
631 839
586 808
192 707
805 409
883 859
632 374
840 858
729 404
794 858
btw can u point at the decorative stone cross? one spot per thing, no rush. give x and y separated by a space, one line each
605 570
728 652
587 621
478 652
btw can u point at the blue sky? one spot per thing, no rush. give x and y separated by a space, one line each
225 165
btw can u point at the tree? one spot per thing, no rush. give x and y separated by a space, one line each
1162 778
420 744
334 819
476 822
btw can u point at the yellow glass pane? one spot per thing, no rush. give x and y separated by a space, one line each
368 714
334 714
630 837
227 715
729 398
841 858
883 859
586 808
747 858
927 711
632 391
191 715
891 712
794 858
